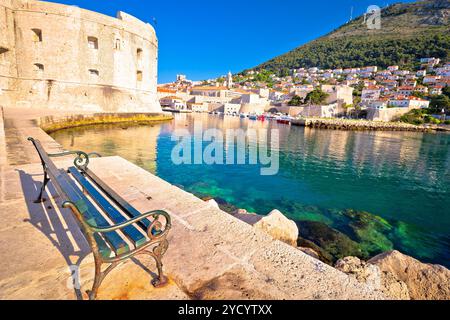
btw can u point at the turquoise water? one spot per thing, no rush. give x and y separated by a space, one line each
379 190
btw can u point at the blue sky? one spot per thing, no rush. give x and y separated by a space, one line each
206 38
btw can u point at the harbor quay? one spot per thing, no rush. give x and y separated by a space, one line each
211 255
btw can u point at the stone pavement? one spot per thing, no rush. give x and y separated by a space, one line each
211 254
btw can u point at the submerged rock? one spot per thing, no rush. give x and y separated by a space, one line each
279 227
370 231
225 206
375 278
424 281
333 242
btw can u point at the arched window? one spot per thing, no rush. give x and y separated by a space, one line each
37 35
3 52
92 43
139 75
93 72
38 68
117 44
139 54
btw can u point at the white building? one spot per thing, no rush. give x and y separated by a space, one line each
409 102
173 102
338 93
250 98
231 108
370 94
421 73
263 93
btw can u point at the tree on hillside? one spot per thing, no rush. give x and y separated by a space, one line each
317 96
446 91
295 101
439 102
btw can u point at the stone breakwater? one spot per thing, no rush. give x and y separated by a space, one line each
53 123
345 124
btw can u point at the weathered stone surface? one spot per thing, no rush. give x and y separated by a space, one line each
213 203
374 277
279 227
424 281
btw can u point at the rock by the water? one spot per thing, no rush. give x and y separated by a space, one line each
240 211
213 203
424 281
279 227
372 275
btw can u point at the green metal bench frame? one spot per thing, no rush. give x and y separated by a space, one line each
96 233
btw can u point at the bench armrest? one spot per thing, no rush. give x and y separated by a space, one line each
81 160
154 226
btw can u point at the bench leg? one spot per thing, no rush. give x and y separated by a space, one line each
97 279
99 276
44 184
157 254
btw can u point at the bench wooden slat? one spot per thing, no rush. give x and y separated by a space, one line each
131 232
103 248
83 204
122 203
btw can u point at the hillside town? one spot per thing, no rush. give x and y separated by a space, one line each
369 93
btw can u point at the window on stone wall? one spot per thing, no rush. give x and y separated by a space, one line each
3 52
117 44
38 68
139 75
93 73
37 35
139 54
92 43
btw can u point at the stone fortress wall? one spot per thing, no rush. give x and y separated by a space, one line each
64 57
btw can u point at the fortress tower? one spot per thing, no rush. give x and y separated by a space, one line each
64 57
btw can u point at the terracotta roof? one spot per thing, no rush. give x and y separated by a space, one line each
209 88
172 97
167 90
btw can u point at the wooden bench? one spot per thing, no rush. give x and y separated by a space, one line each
114 229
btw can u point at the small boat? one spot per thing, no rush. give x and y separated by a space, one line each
261 117
284 119
242 115
167 109
253 117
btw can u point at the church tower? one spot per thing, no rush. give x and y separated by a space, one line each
229 80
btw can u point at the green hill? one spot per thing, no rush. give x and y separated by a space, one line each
408 32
